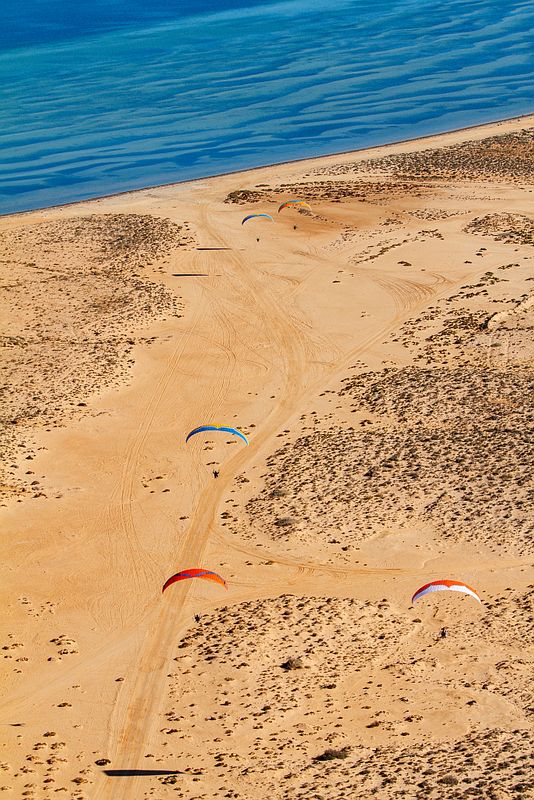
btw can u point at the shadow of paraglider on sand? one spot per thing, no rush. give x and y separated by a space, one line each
139 773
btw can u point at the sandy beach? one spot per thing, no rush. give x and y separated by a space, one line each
377 351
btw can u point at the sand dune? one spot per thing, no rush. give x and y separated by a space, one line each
377 351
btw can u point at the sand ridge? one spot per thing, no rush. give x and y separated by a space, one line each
377 352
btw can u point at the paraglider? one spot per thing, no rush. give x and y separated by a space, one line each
294 203
202 428
445 585
255 216
205 574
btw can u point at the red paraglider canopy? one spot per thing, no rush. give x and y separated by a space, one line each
206 574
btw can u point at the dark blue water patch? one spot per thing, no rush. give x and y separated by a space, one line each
216 92
28 23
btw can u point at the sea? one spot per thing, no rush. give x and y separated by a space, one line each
111 95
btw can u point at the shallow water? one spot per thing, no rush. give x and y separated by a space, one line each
108 97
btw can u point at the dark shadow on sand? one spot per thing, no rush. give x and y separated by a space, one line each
190 275
214 248
137 773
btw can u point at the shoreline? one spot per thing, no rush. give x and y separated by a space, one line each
190 181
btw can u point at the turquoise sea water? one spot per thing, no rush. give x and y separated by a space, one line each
113 95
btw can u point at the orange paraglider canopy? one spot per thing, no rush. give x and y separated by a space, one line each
294 204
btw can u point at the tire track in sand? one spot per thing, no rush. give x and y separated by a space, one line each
136 715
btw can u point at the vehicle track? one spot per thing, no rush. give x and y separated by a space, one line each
291 345
288 358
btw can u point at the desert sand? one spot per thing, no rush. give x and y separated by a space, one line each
378 353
